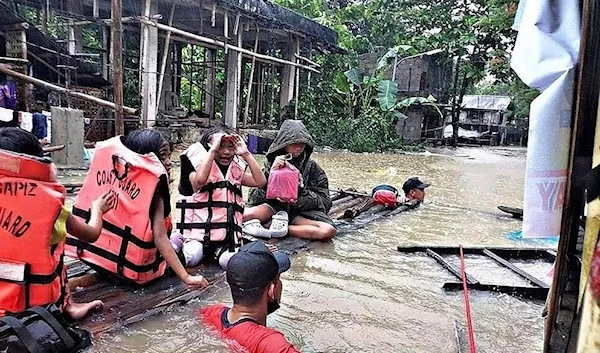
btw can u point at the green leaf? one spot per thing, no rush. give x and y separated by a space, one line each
387 94
399 116
355 76
340 83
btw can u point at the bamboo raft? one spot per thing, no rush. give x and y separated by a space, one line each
126 303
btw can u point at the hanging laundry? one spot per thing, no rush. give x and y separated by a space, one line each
26 120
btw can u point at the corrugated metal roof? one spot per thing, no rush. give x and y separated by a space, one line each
486 102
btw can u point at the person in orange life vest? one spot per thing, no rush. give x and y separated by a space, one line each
253 274
150 141
213 171
26 146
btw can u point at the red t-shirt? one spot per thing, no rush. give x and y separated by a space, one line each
246 335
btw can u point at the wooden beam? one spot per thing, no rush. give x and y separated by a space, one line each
527 292
45 63
505 252
451 268
56 88
536 281
117 64
236 25
165 55
307 60
213 17
233 73
265 58
251 77
13 60
288 76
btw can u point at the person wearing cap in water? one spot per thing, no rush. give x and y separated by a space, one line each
414 189
253 277
387 195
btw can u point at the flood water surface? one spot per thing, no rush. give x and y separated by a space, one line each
359 294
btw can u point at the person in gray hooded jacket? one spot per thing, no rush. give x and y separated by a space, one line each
308 214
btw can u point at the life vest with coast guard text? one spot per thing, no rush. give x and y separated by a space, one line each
31 267
126 244
214 213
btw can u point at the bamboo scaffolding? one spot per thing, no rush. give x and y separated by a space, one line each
56 88
225 45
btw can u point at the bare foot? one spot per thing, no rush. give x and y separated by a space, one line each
78 311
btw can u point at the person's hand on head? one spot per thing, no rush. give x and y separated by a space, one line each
215 142
241 148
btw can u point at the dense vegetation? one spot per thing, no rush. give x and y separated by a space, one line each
475 34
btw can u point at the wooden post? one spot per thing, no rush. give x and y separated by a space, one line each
105 60
209 93
259 92
310 53
117 65
165 56
560 331
250 78
149 67
45 15
74 32
297 81
288 75
234 67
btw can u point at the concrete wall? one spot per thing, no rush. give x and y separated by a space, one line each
67 129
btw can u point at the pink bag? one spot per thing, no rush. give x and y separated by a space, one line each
283 183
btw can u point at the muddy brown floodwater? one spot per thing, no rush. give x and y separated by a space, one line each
358 294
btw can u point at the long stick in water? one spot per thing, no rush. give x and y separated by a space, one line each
467 302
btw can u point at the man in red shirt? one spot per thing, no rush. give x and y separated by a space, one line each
253 276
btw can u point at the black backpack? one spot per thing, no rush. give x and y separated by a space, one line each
40 330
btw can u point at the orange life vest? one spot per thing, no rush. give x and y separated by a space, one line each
126 244
214 213
31 268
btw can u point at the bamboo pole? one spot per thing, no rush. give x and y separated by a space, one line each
56 88
221 44
298 56
249 93
163 65
43 62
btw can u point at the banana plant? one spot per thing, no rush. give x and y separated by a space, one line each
361 92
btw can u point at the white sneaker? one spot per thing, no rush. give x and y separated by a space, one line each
255 228
279 225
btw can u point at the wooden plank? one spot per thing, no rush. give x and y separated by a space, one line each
506 252
515 269
342 200
527 292
448 266
515 212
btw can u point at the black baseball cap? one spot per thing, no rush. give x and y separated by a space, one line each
254 266
414 183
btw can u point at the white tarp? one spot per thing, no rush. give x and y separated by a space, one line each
462 133
544 57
